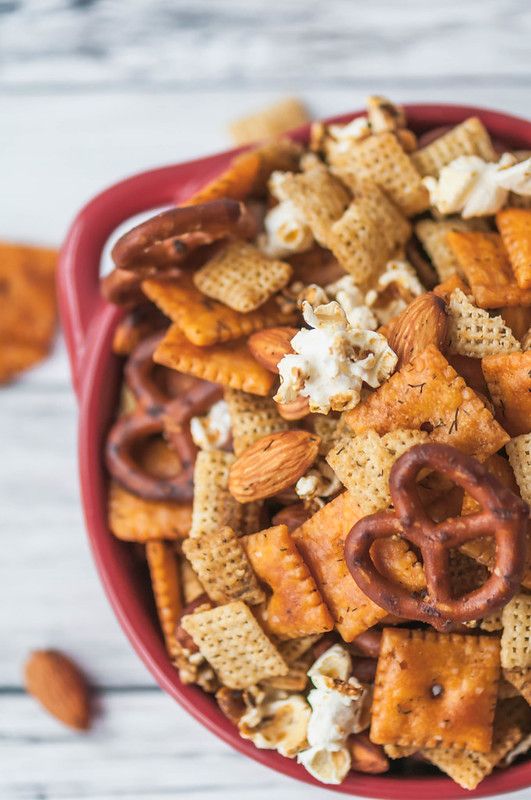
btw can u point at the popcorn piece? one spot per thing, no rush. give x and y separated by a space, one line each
332 361
327 766
212 432
339 708
282 726
286 231
446 695
466 186
477 188
345 292
341 137
473 332
515 177
394 290
519 452
320 482
384 115
333 665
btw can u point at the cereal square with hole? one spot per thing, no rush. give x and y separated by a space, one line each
434 689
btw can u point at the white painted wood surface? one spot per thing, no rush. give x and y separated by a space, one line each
91 91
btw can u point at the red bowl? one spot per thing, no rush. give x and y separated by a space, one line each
89 323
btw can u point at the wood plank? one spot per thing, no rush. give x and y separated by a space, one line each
143 746
251 43
58 150
51 593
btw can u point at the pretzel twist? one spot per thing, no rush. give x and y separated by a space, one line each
156 405
503 515
167 239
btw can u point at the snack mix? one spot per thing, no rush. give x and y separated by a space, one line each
323 442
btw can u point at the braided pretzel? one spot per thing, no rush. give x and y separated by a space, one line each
168 238
187 397
503 515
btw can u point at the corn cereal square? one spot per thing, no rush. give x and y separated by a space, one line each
232 641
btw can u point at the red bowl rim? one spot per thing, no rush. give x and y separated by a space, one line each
89 324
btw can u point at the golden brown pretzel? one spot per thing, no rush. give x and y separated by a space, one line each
503 515
155 406
168 238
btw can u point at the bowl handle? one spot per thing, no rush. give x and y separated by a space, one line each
81 305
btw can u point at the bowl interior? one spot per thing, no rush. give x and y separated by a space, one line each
124 576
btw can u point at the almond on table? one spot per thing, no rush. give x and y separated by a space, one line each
59 686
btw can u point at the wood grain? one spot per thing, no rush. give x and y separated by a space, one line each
90 94
249 43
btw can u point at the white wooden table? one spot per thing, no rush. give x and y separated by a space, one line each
90 92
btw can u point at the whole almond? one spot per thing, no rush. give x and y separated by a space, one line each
297 409
366 756
268 346
424 322
272 464
59 686
293 516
